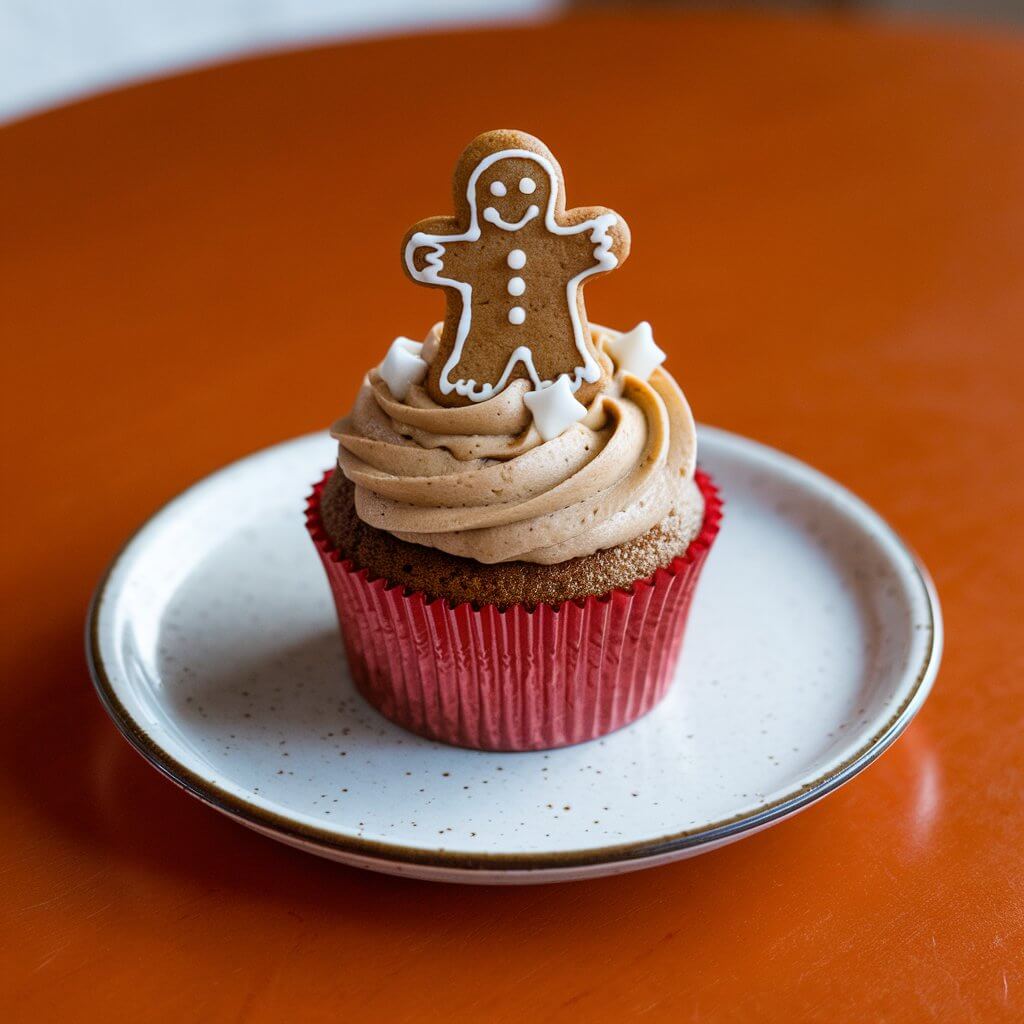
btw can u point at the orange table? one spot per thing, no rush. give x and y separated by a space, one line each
828 223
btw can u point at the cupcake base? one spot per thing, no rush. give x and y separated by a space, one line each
517 678
457 579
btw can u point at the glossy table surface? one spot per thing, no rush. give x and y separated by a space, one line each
828 225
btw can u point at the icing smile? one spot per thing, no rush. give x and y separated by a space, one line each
492 216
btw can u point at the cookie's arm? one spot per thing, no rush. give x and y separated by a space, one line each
429 251
602 238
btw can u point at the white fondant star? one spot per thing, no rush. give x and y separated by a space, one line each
636 351
554 408
403 367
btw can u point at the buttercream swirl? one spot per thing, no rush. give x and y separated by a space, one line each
479 481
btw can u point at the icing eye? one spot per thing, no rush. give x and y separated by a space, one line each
527 186
498 188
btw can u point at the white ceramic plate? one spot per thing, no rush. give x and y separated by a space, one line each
813 640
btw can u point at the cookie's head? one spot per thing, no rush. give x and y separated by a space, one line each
511 191
507 179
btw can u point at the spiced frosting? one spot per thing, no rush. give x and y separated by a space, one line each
480 482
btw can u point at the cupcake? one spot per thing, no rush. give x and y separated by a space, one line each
516 523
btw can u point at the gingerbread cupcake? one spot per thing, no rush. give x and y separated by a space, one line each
516 522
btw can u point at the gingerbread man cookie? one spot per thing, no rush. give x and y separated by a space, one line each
513 262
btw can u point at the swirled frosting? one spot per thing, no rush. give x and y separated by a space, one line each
478 481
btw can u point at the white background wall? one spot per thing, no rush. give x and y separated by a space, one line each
55 50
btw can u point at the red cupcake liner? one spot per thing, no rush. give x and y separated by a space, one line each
521 678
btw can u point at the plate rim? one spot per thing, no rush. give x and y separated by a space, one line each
335 845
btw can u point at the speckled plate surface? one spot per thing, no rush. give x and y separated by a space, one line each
814 638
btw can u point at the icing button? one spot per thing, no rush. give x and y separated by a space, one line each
516 286
516 315
403 367
554 408
517 259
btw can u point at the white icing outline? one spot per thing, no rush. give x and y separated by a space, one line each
604 259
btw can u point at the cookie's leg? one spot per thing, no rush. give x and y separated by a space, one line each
557 357
479 380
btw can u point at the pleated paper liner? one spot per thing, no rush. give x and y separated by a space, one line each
521 678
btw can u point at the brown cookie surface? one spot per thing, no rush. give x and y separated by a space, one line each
513 263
